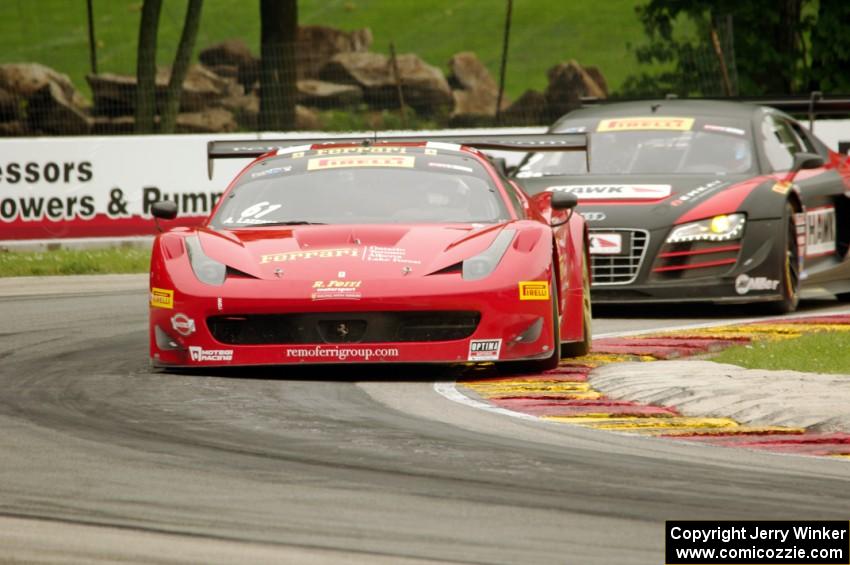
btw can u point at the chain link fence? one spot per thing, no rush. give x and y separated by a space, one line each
340 80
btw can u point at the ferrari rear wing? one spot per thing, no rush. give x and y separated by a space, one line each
253 148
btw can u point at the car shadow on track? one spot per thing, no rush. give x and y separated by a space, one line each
349 372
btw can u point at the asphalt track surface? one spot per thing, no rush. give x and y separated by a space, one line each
103 460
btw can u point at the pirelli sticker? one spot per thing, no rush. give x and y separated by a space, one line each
162 298
533 290
341 162
654 123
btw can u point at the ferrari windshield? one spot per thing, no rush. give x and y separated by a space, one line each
333 186
705 147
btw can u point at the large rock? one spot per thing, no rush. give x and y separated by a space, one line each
17 128
10 106
598 78
122 125
568 82
50 111
476 93
321 94
202 88
245 108
228 52
115 95
424 86
306 119
528 110
318 44
25 79
233 53
210 120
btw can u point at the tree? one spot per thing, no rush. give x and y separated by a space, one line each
278 34
830 68
146 67
168 116
768 45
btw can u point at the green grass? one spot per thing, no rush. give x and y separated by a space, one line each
74 262
544 32
821 352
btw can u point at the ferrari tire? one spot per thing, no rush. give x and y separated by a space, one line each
789 280
579 348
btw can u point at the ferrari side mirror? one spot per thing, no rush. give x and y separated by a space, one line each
164 210
564 200
806 161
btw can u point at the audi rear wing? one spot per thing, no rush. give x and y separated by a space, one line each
811 105
253 148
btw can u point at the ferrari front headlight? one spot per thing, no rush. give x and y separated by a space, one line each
724 227
485 262
207 270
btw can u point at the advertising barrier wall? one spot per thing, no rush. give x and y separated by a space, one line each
81 187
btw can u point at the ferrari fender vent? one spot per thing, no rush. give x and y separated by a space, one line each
343 327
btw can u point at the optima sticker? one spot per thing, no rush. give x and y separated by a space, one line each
162 298
634 124
616 191
361 161
534 290
484 349
318 254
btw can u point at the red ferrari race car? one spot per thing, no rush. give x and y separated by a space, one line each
374 250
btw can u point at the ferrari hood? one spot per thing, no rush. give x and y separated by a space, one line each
360 251
646 201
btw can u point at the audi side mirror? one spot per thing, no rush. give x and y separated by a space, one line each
164 210
806 161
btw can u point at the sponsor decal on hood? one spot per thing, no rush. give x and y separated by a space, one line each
616 191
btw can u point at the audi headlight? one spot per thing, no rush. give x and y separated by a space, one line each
485 262
207 270
725 227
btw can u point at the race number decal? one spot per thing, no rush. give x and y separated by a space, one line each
820 231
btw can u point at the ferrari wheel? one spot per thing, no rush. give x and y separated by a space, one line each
579 348
790 267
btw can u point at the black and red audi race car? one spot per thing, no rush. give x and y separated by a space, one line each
703 201
385 250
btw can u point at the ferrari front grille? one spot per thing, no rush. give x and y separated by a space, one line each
621 268
343 327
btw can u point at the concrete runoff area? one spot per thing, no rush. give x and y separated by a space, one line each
755 397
